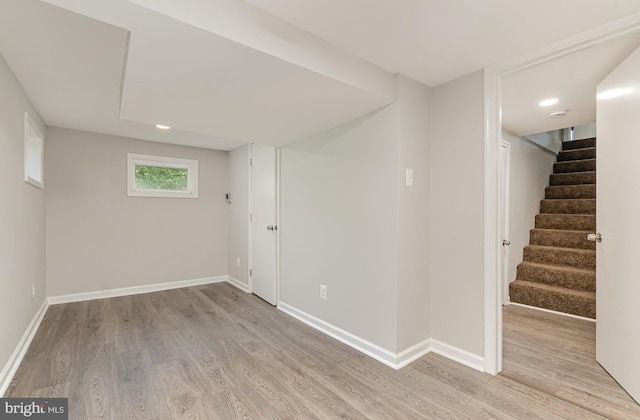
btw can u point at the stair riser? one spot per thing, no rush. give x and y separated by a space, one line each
570 191
574 166
575 280
559 206
566 257
566 239
577 154
566 221
579 144
581 306
573 178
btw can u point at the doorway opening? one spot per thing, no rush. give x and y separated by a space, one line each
494 77
494 82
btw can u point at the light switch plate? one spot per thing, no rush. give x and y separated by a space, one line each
409 177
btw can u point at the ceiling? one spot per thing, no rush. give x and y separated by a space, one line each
572 79
225 72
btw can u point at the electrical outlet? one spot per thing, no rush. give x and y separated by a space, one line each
33 291
238 262
323 291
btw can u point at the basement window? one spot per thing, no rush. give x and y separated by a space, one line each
33 153
159 176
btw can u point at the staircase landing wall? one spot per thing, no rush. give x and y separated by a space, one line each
530 170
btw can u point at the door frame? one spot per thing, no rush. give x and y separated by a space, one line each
249 222
492 134
504 219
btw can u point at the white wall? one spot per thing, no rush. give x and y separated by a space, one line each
457 214
530 170
22 220
239 214
98 238
348 221
338 226
413 213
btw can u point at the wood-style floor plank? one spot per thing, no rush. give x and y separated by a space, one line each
214 352
556 355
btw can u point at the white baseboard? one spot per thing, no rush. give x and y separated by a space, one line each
237 283
458 355
18 354
394 360
135 290
413 353
373 350
549 311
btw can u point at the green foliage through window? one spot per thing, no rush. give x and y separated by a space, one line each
161 178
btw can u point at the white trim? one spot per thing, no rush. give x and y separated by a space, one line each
493 124
504 213
135 290
21 349
549 311
278 227
237 283
250 221
393 360
413 353
373 350
191 165
458 355
492 298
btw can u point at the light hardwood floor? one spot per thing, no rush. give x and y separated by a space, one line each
214 352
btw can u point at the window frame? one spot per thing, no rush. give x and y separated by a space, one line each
191 165
33 144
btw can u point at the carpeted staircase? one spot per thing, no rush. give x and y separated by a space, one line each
558 270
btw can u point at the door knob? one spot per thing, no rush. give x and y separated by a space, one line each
270 227
593 237
505 242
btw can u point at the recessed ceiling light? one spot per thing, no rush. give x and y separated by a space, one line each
549 102
614 93
163 127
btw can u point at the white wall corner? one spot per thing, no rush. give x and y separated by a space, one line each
21 349
237 283
458 355
413 353
135 290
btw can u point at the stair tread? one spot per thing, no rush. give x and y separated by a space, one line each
564 231
555 288
561 267
579 144
563 187
566 214
579 148
575 173
560 248
556 298
578 160
572 178
566 199
570 192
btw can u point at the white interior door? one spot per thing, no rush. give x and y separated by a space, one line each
505 160
263 222
617 210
